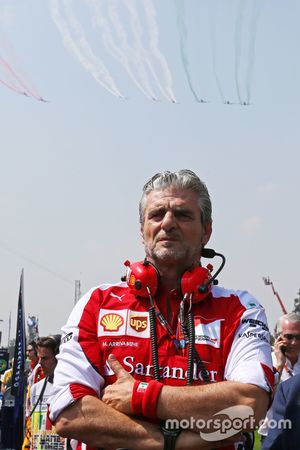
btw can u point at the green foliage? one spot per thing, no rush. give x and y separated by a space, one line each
257 443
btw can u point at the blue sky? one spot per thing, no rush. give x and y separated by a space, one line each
72 168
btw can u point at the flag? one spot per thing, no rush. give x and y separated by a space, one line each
18 377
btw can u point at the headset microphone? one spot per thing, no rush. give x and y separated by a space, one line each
210 253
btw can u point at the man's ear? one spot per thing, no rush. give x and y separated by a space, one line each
207 234
142 234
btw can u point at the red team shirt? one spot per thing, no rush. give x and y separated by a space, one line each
231 337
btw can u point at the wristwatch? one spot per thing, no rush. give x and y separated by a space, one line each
170 436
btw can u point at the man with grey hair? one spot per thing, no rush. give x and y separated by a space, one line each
166 343
285 355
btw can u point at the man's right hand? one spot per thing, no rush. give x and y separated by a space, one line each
279 351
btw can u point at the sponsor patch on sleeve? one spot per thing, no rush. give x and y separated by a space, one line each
208 333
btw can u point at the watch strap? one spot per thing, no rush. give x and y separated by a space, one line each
170 436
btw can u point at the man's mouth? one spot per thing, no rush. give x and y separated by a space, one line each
168 238
167 241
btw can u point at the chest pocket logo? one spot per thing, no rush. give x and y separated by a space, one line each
112 322
123 322
139 323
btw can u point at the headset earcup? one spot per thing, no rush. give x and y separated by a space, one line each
196 282
141 275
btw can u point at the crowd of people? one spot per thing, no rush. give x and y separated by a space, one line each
166 358
39 432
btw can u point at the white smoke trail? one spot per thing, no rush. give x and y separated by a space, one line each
182 31
97 71
108 41
85 46
257 7
140 53
213 26
238 39
122 36
154 47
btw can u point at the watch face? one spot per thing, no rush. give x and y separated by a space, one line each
171 432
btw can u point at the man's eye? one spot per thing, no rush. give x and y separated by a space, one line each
156 215
183 215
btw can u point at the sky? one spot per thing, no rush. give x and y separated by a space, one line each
122 82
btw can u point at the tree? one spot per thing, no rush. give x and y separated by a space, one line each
297 303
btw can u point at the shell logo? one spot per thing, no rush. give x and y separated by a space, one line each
112 322
131 280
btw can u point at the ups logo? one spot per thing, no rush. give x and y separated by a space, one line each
138 323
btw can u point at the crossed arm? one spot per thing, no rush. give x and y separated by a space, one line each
91 421
108 422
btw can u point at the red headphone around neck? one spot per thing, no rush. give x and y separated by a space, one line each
143 276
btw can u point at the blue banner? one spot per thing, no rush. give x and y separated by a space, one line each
18 378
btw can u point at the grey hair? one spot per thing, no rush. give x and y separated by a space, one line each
185 179
291 317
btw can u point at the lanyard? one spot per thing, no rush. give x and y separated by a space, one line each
180 339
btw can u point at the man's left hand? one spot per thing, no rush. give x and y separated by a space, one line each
118 395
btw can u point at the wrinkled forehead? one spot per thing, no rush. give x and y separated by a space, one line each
172 196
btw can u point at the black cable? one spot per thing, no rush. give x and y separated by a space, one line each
202 367
191 350
153 336
39 397
189 331
154 346
193 354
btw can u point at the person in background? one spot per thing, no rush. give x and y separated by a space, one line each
6 378
34 374
285 356
42 432
286 417
31 354
7 411
166 343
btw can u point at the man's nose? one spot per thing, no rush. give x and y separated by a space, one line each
168 221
